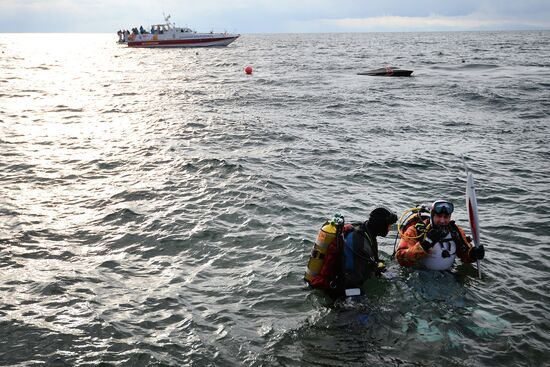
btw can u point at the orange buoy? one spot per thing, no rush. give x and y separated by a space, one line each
248 70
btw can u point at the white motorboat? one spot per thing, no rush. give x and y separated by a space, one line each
168 35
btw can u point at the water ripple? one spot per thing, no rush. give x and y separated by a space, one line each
164 216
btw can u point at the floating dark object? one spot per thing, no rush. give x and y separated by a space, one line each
387 71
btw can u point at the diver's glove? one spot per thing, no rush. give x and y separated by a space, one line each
477 253
434 235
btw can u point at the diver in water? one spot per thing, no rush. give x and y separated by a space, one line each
435 243
360 250
345 256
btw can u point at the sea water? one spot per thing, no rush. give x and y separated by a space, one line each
158 206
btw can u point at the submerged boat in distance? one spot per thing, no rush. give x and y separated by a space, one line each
168 35
387 71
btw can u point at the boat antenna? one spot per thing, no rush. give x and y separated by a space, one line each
167 19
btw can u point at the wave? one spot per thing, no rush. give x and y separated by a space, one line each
178 206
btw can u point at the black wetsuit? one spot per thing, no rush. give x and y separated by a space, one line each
360 256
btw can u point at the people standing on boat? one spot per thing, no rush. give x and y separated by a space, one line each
434 243
123 35
168 35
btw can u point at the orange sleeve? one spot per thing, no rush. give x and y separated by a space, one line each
409 250
463 250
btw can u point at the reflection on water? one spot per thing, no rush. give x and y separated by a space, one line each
159 206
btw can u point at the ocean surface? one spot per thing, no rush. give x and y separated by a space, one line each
158 207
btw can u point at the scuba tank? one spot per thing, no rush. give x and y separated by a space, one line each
327 235
411 217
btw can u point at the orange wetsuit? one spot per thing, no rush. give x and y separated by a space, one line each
411 253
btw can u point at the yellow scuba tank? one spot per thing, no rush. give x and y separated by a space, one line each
326 236
411 217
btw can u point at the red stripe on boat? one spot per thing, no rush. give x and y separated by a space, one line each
176 42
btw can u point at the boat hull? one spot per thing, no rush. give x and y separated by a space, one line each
387 72
190 42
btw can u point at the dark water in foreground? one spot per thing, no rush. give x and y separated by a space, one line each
158 206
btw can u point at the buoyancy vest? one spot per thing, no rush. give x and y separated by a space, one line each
442 255
360 254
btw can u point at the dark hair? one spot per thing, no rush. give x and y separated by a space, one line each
383 215
379 219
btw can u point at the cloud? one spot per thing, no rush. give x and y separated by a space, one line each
404 23
250 16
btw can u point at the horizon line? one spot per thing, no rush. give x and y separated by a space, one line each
341 32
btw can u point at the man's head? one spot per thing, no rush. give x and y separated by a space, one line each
380 221
440 213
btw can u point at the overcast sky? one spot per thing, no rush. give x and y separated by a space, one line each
273 16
